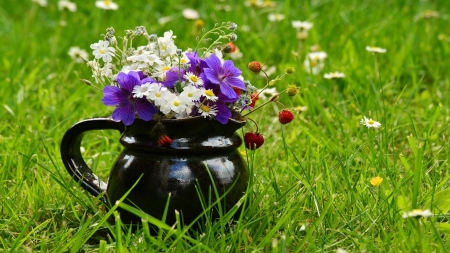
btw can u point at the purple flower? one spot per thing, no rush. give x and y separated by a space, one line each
226 76
127 105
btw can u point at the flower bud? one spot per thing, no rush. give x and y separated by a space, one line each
292 90
232 37
255 66
289 70
232 27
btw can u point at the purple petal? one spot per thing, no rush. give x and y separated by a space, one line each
223 113
235 82
227 91
113 96
214 63
229 68
148 80
172 76
124 112
211 75
145 109
128 81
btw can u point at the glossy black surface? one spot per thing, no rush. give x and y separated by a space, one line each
198 145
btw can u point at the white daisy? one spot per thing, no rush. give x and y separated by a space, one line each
334 75
42 3
190 14
206 110
193 79
417 213
370 123
209 94
102 50
275 17
107 5
78 54
302 25
66 4
376 50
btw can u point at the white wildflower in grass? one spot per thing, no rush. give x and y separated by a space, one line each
267 93
193 79
78 54
315 62
374 50
107 5
334 75
341 250
370 123
166 44
275 17
190 14
66 4
42 3
302 25
164 20
103 50
417 213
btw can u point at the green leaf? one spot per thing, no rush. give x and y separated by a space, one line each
441 200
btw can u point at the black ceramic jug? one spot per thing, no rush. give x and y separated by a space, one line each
198 145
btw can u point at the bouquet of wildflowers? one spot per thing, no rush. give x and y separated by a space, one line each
158 80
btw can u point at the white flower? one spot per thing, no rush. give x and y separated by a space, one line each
66 4
140 91
315 62
158 94
302 25
42 3
376 50
334 75
267 93
102 50
207 110
77 54
166 44
191 94
370 123
417 213
107 70
190 14
106 5
163 20
209 94
161 71
176 103
275 17
183 60
340 250
193 79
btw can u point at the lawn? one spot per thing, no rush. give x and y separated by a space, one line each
322 183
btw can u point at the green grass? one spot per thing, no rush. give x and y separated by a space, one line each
314 171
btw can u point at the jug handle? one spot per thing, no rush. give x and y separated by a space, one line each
73 160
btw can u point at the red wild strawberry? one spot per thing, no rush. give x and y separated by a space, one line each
255 66
285 116
237 90
164 141
232 46
253 140
254 96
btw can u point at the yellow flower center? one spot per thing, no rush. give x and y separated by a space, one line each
176 103
102 50
194 78
371 121
205 108
182 61
190 94
166 68
107 2
209 93
158 94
